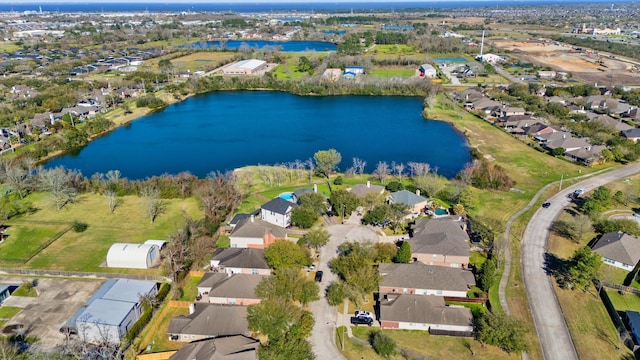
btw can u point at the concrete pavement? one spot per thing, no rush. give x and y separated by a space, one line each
553 334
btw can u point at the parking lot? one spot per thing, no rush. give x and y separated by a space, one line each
42 316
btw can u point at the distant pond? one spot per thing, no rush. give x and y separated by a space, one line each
285 46
227 130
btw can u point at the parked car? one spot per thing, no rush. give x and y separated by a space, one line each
319 274
363 313
636 214
579 192
361 320
546 205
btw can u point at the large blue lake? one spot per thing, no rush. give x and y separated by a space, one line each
285 46
226 130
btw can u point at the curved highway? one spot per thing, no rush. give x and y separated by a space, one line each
553 334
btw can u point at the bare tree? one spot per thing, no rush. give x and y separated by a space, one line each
14 174
312 167
217 195
153 204
178 254
57 181
398 170
112 199
184 181
358 165
382 171
419 169
113 176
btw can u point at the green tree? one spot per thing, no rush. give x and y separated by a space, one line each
315 201
501 330
628 226
287 347
285 254
343 202
404 253
304 64
383 344
558 151
488 274
303 217
583 267
276 317
317 237
336 293
384 252
288 284
327 161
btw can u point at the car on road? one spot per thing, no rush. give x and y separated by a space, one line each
579 192
363 313
319 274
356 320
636 214
546 205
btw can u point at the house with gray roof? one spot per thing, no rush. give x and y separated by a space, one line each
420 279
111 311
207 321
588 155
441 241
229 289
413 201
252 232
631 134
277 212
240 261
236 347
608 121
361 190
618 249
428 313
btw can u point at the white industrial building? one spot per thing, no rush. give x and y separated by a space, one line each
133 256
245 67
111 311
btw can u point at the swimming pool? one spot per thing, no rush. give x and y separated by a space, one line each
286 196
441 211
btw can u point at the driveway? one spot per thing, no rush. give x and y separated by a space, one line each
323 339
57 301
553 334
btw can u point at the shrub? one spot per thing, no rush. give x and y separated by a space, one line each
383 344
394 186
79 226
338 181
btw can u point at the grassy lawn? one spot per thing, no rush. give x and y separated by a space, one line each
591 328
7 312
223 241
394 49
624 302
190 289
23 291
9 46
25 238
477 258
159 326
393 72
439 347
127 224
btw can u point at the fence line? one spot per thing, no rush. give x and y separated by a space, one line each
79 274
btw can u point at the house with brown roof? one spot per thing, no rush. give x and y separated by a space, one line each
420 279
428 313
441 242
251 232
618 249
229 289
236 347
240 261
207 321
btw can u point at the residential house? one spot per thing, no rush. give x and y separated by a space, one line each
429 313
547 75
420 279
361 190
510 111
441 241
557 99
632 114
353 70
237 347
332 74
608 121
588 155
427 71
240 261
5 291
277 212
229 289
633 319
413 201
470 95
538 129
618 249
563 140
595 102
255 233
206 321
631 134
492 58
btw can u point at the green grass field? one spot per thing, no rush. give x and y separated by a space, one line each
86 251
624 302
24 291
393 72
190 289
7 312
398 49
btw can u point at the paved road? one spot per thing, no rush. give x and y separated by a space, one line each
327 318
550 324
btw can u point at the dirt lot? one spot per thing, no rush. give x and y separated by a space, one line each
43 315
583 65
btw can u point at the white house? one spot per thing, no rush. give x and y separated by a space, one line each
618 249
133 256
492 58
277 212
427 71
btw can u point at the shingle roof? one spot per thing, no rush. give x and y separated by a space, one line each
619 246
257 228
238 286
632 133
407 197
278 205
440 236
241 258
420 276
424 310
363 189
237 347
212 320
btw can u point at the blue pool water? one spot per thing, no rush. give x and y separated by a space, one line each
287 196
441 211
450 60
